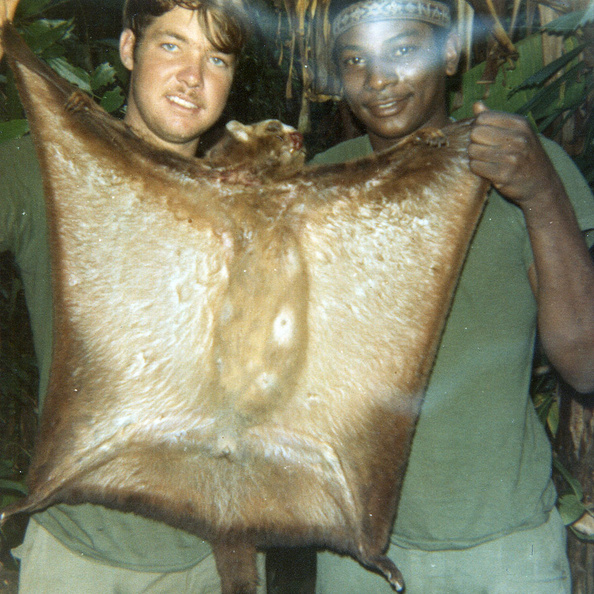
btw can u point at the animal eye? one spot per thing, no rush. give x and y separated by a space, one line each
273 127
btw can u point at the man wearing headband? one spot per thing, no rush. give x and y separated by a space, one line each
477 512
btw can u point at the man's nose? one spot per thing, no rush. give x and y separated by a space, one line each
380 73
191 73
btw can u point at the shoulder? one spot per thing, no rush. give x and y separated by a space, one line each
345 151
19 167
18 157
21 190
22 145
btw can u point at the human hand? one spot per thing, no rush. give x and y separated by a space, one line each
7 10
506 151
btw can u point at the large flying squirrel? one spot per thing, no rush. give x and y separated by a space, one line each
239 354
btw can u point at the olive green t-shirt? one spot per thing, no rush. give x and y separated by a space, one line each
121 539
480 464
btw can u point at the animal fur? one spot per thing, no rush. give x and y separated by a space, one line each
267 149
243 360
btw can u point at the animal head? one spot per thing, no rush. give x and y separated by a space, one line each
268 148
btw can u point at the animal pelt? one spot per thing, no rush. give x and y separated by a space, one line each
243 360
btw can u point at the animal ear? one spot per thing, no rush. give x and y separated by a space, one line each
238 131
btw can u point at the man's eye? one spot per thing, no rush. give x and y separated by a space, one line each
399 52
218 61
353 61
170 47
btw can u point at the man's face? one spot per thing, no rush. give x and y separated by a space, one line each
179 82
393 74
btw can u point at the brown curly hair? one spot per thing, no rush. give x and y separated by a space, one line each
226 23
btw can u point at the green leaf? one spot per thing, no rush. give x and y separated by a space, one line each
500 96
43 33
571 480
6 468
553 418
53 51
543 402
6 485
552 95
6 499
570 508
567 23
550 69
544 124
73 74
27 8
103 75
112 100
13 129
588 16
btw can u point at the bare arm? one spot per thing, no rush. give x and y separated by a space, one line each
506 151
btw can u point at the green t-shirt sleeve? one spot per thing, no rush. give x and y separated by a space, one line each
18 207
345 151
23 231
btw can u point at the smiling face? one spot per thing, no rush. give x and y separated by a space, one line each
179 82
393 73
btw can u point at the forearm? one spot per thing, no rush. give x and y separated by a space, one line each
563 278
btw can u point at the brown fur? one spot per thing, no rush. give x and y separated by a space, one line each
242 360
267 149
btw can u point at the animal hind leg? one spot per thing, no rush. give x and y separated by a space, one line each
384 566
236 564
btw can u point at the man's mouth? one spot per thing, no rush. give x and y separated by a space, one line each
386 108
186 103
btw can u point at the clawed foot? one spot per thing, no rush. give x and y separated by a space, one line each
78 101
385 567
431 136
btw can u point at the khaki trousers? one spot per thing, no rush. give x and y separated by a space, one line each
525 562
48 567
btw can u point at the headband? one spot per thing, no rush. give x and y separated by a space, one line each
371 11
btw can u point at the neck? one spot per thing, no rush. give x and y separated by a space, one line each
184 149
380 143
